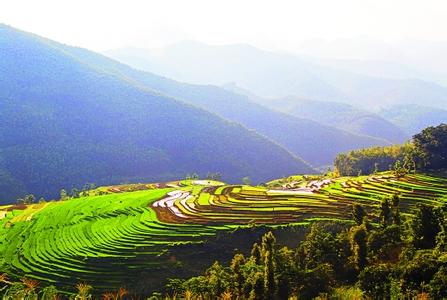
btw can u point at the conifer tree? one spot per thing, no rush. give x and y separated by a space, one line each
358 213
359 236
237 274
385 212
256 254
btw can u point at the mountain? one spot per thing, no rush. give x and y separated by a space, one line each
301 136
264 73
375 93
66 122
383 69
335 114
414 118
341 115
277 75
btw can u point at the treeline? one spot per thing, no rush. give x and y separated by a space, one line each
426 151
397 257
31 289
400 258
63 195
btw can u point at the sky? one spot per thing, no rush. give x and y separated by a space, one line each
277 24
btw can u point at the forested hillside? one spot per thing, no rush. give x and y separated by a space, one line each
285 129
427 151
341 115
66 122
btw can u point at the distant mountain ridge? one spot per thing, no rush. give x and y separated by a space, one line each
274 75
66 122
301 136
414 118
335 114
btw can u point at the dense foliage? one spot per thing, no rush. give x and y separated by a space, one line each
370 160
393 259
431 147
426 151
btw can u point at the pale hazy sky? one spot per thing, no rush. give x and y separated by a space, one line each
275 24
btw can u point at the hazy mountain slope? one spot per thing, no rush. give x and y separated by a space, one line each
335 114
263 73
343 116
65 123
375 93
414 118
303 137
383 69
277 75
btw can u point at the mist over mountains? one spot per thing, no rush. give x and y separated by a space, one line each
350 86
272 75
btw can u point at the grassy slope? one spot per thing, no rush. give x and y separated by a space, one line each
107 240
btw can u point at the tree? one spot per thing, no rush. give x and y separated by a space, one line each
269 275
441 238
214 176
316 281
395 201
410 157
287 275
75 193
419 271
383 243
374 281
438 285
318 247
218 279
29 199
358 213
431 147
268 243
237 275
15 291
359 237
83 291
257 292
399 170
196 286
370 160
376 168
256 253
385 212
425 227
63 195
246 180
175 286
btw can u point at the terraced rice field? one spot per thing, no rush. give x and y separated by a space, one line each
108 239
